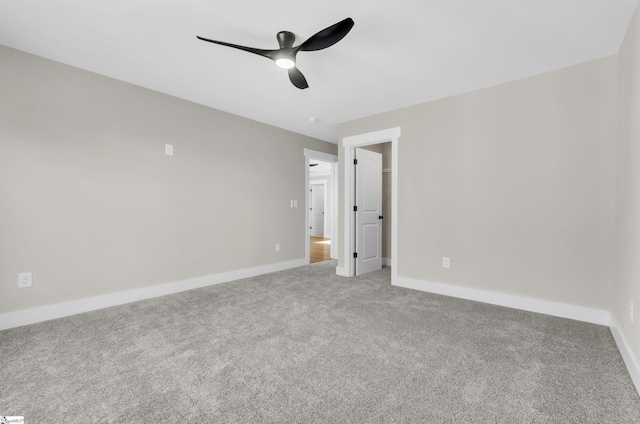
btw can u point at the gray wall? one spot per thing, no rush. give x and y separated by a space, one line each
515 183
91 205
627 273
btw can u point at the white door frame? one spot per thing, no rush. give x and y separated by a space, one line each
348 153
334 210
324 157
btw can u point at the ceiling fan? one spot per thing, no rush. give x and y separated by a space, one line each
285 56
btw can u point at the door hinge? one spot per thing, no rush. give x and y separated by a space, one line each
355 254
355 209
355 161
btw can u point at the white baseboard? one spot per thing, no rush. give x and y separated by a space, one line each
59 310
386 261
633 366
563 310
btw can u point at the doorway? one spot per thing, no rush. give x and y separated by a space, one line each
319 243
347 261
321 229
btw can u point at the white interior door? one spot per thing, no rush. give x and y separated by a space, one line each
317 210
369 211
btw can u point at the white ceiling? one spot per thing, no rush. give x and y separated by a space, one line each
399 53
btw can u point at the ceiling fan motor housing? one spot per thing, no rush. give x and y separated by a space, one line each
286 39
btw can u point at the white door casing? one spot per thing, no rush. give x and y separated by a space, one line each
368 175
334 211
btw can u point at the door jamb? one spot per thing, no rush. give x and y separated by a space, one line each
349 145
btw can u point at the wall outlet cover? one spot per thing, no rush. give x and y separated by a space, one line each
446 263
25 279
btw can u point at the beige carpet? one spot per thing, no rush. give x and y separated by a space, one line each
306 346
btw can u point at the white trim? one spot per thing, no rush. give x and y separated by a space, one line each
321 156
563 310
348 152
59 310
629 360
334 210
324 157
386 262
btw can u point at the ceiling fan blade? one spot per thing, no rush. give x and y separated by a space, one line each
328 36
297 78
271 54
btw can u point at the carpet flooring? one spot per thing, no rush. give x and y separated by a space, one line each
307 346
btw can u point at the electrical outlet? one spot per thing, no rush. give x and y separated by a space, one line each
446 263
277 247
631 310
25 279
168 149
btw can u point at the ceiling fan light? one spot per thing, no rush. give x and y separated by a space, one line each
285 63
